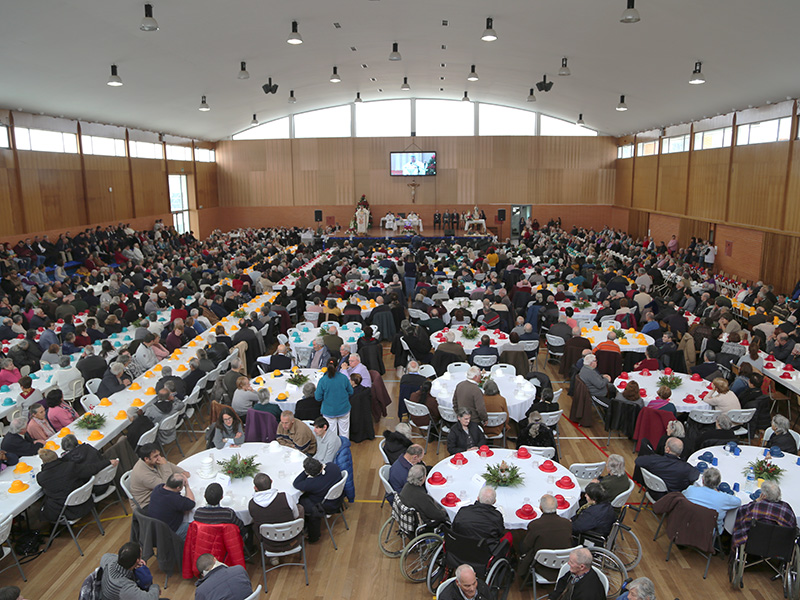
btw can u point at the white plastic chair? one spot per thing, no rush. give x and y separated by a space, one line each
335 493
504 370
769 432
89 401
106 476
555 346
544 451
652 483
531 346
552 420
75 498
742 417
622 497
484 360
381 444
8 547
167 425
427 371
457 368
148 437
420 410
443 585
704 417
449 419
282 338
585 472
417 315
282 532
125 484
554 559
383 475
255 594
496 419
93 384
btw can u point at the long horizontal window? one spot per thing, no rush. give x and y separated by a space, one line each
647 148
45 141
3 137
103 146
625 151
147 150
714 138
678 143
204 155
774 130
178 152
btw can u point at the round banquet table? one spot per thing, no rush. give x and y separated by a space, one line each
466 481
274 459
580 314
497 338
304 336
732 470
278 385
632 342
518 392
470 307
649 383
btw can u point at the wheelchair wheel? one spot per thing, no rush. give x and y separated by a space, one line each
736 567
390 539
436 570
791 577
628 548
612 567
500 578
417 556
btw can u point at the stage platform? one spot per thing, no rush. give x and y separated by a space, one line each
404 238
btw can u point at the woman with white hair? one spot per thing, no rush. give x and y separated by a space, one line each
640 589
780 435
616 480
397 441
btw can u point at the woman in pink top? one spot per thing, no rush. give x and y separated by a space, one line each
59 413
8 372
722 398
661 401
39 428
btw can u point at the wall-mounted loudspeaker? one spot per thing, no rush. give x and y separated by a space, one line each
318 216
501 214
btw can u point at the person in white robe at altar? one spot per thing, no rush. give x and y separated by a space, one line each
476 214
389 221
362 220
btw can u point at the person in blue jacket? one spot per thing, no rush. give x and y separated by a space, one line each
597 515
334 391
315 481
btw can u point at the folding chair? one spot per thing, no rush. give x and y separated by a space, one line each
75 498
282 532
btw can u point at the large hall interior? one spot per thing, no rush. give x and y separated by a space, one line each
201 187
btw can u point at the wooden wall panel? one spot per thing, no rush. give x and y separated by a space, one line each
644 182
149 186
624 181
10 220
673 170
52 191
792 221
708 184
663 227
758 180
108 188
638 223
780 261
746 247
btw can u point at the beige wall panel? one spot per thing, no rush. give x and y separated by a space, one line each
672 173
758 180
793 192
644 182
467 189
708 183
207 196
623 186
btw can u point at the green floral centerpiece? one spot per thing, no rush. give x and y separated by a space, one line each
91 421
671 381
765 469
503 475
298 379
240 313
484 378
237 467
469 332
620 333
581 304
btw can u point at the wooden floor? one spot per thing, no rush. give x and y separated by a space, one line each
359 570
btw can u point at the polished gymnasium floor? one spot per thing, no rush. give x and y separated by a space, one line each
358 569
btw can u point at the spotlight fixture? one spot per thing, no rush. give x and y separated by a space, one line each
294 37
292 99
489 34
204 107
269 87
148 23
622 107
630 14
114 80
405 87
531 96
243 74
564 70
358 98
255 120
335 76
580 120
395 55
473 76
544 85
697 77
466 97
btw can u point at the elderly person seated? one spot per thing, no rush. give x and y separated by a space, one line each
17 443
296 434
495 403
354 366
9 374
244 397
597 384
780 435
616 481
640 588
58 478
464 435
396 442
124 573
398 473
719 435
307 408
113 381
661 401
675 429
466 586
676 473
328 442
584 580
481 520
59 412
548 532
164 406
228 431
414 495
39 428
767 507
533 432
709 496
596 515
721 398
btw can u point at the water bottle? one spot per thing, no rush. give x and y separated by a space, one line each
750 484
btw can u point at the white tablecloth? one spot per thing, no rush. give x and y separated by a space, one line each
466 482
649 383
580 314
303 337
278 385
732 470
275 460
518 401
636 342
495 335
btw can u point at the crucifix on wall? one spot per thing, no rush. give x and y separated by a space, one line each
413 187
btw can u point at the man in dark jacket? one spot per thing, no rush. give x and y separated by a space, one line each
581 578
481 520
269 506
315 481
218 581
90 365
58 478
16 442
415 496
548 532
677 474
466 586
398 474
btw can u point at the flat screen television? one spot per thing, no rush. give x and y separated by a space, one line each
412 164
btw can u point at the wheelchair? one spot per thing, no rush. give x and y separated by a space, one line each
399 529
418 554
612 567
621 542
491 565
775 546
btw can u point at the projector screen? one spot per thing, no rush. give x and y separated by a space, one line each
412 164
